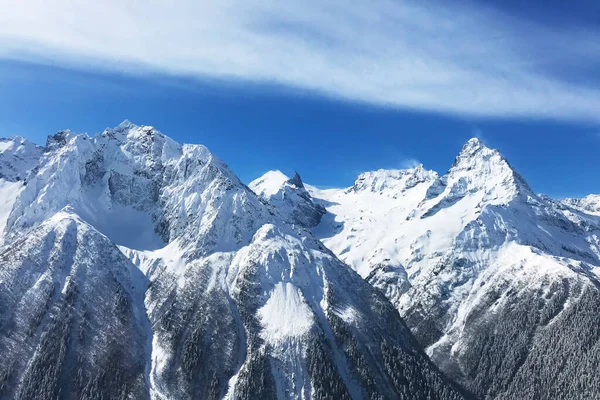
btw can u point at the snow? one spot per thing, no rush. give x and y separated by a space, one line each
268 184
589 204
5 145
201 237
362 223
285 315
514 266
18 156
425 240
9 191
126 226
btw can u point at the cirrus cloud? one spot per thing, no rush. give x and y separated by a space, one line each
450 58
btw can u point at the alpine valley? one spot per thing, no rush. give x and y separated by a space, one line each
133 267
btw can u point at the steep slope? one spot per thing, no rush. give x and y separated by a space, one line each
487 274
589 204
241 303
72 321
17 158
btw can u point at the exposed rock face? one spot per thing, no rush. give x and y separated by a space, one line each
290 198
499 284
135 267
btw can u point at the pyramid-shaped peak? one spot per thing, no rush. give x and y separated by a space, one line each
126 124
296 180
475 154
474 146
474 141
478 168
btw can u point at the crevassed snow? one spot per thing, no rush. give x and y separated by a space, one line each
286 314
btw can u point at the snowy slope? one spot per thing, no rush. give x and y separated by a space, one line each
18 157
240 302
72 321
589 204
454 252
269 184
9 191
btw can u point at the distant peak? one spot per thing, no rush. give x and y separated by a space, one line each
57 140
475 150
480 169
269 184
128 130
16 139
474 141
402 179
126 124
296 180
474 145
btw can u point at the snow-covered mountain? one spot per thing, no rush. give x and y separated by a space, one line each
289 198
589 204
18 157
499 284
72 320
136 267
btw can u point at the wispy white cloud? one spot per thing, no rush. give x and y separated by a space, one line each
448 57
410 163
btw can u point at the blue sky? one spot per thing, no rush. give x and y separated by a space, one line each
330 90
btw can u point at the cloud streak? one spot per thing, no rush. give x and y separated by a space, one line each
428 56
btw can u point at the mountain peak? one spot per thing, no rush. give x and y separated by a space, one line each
126 124
382 179
479 169
269 184
296 180
17 157
59 139
128 130
473 147
474 142
588 204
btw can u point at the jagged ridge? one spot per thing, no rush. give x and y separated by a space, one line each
464 256
223 269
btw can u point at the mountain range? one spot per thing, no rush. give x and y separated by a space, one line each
132 266
498 284
136 267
